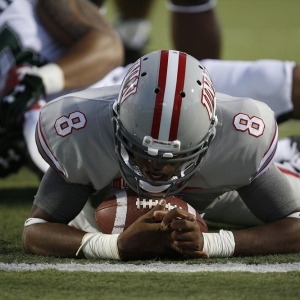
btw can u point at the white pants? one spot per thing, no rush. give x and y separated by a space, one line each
269 81
266 80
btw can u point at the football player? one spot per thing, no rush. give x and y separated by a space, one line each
47 48
165 131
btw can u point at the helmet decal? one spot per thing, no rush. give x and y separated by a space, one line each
208 94
171 75
131 81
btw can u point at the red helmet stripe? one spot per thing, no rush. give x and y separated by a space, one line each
164 56
177 97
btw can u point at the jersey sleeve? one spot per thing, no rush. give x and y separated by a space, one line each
269 154
65 201
45 150
270 197
75 136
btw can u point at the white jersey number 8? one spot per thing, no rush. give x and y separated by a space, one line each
64 125
254 125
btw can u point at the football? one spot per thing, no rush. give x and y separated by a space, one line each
118 212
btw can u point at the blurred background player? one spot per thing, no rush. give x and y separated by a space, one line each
188 19
49 48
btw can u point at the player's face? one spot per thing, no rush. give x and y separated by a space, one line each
154 170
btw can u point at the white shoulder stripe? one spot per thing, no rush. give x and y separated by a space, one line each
268 157
48 151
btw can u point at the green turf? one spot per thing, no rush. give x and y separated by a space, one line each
51 284
251 30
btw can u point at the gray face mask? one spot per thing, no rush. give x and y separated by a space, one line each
143 184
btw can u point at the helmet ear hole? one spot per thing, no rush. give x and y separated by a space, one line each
157 90
144 74
182 94
199 82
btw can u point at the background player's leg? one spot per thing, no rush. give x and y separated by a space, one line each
196 33
267 80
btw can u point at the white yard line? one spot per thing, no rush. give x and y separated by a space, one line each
154 267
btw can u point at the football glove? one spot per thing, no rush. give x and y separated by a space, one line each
25 86
22 91
13 152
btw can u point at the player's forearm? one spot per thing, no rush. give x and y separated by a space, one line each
90 59
93 47
52 239
278 237
296 92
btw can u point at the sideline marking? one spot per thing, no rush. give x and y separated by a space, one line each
153 267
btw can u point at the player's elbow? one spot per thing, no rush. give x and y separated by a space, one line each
114 51
108 47
27 240
105 52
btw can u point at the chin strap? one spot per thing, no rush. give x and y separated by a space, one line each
153 189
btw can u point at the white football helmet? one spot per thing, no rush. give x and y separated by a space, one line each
166 108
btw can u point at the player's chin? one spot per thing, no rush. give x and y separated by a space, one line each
156 177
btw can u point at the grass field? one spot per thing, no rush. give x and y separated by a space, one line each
251 30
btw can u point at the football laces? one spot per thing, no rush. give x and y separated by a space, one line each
144 203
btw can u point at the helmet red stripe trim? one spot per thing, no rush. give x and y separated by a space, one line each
207 94
164 56
177 97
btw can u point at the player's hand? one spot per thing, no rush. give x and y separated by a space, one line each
186 235
145 239
22 91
